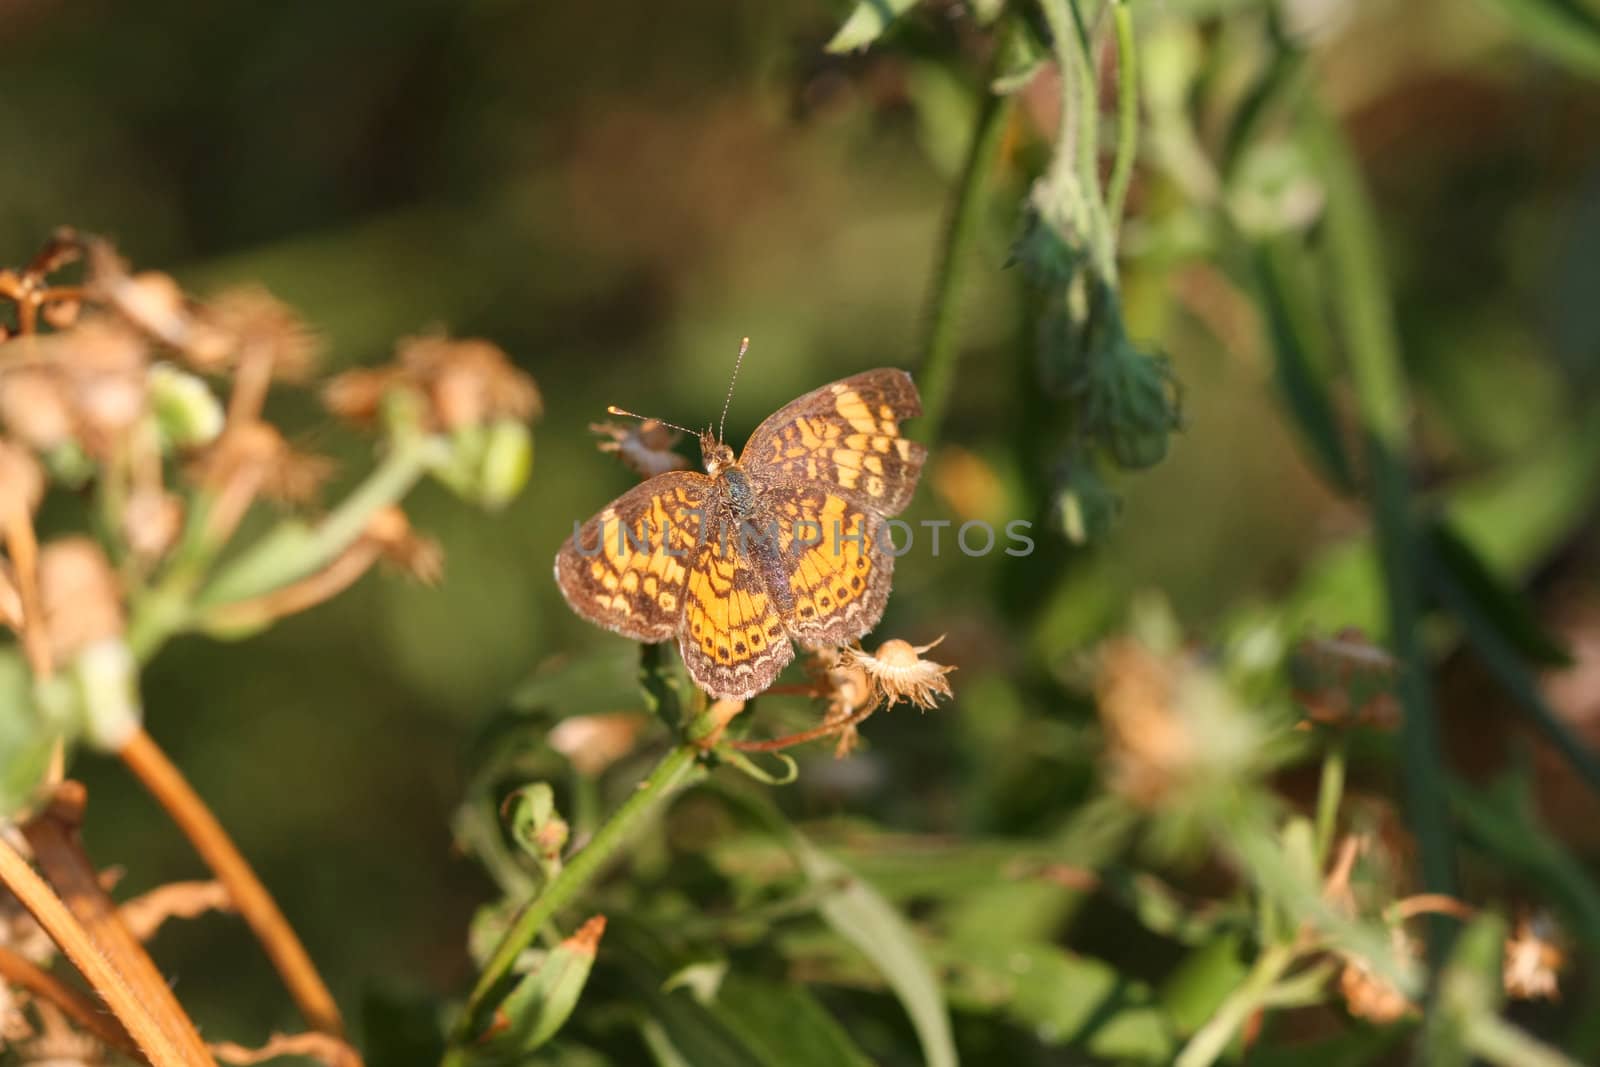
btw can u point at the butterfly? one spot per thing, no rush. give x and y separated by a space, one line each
787 543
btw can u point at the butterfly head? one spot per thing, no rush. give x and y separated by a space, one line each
716 456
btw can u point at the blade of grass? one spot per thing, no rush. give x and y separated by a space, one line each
1366 317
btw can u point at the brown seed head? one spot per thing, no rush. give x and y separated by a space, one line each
255 326
468 383
80 596
34 406
898 672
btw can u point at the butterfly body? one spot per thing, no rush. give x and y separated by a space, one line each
785 543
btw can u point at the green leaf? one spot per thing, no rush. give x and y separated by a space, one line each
1499 605
786 1021
744 1022
1302 385
543 1001
1564 30
1063 999
858 913
1469 989
1199 984
867 22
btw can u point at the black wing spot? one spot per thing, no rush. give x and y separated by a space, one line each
807 611
855 582
772 632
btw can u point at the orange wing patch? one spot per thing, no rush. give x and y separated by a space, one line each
839 572
734 642
627 568
845 435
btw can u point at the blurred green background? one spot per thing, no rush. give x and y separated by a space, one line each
615 195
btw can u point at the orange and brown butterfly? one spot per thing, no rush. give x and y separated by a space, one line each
783 544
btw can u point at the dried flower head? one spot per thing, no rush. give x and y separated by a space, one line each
1346 681
99 371
80 595
459 384
1368 995
898 672
594 742
846 690
152 301
152 518
1171 725
468 382
253 327
257 454
34 405
1533 962
644 447
419 557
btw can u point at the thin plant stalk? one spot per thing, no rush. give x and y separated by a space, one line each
1362 305
53 836
939 348
18 970
178 798
674 770
1212 1039
1127 114
75 943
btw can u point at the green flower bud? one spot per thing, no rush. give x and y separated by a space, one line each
1129 397
1047 258
1086 507
187 413
536 826
107 680
488 465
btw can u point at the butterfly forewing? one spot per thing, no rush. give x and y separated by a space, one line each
628 568
845 436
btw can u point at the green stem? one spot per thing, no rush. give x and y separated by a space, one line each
1074 174
1212 1039
674 770
1497 1041
1376 372
1329 794
939 341
1127 114
291 551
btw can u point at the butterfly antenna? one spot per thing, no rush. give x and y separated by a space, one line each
612 409
744 346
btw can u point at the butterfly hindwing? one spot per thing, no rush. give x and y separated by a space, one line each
734 642
837 566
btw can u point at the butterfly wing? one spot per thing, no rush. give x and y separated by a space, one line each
845 436
733 641
836 564
628 567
